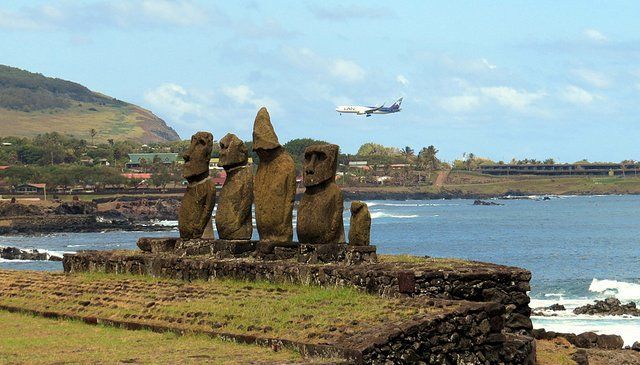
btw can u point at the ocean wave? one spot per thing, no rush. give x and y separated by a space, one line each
374 204
375 215
165 223
627 328
7 260
622 290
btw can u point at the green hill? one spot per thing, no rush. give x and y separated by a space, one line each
32 104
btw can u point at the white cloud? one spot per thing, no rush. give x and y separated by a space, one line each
306 59
182 13
242 94
510 97
351 12
594 78
577 95
487 64
403 80
595 35
77 15
347 70
460 103
174 101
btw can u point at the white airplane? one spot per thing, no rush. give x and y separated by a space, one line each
368 110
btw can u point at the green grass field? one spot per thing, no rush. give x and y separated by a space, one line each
126 122
25 339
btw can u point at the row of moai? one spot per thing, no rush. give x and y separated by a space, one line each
273 188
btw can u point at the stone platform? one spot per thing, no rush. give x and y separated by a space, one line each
267 251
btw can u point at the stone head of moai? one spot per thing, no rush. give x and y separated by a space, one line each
233 152
264 136
320 164
196 159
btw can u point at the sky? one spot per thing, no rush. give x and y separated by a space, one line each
500 79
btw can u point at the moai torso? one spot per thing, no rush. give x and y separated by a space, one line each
233 217
199 199
274 192
360 224
274 186
196 208
321 206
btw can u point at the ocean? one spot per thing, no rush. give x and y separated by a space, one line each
578 248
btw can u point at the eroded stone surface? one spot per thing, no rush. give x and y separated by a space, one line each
320 209
233 217
360 224
200 197
274 186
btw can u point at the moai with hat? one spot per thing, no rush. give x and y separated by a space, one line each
274 187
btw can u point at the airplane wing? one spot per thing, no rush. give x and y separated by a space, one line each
371 110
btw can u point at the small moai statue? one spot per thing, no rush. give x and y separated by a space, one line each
321 206
360 224
233 217
194 215
274 186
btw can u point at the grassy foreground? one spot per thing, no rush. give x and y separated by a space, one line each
298 313
25 339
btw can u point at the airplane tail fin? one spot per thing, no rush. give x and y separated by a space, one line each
396 105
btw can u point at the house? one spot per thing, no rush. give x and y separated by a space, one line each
38 188
137 160
137 175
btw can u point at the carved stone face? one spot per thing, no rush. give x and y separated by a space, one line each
233 151
196 159
320 163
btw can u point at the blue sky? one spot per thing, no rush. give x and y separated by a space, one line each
500 79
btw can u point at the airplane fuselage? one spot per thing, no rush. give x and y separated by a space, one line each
369 110
364 110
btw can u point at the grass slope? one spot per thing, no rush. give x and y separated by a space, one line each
32 104
26 339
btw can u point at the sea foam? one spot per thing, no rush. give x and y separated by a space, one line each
375 215
622 290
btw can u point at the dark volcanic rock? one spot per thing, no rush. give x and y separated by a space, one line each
76 207
483 202
556 307
14 253
16 210
636 346
580 357
610 307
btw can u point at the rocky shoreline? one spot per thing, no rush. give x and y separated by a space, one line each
14 253
79 216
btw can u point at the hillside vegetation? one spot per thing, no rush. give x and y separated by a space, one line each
32 104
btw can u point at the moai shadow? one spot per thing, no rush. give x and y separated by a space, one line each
233 217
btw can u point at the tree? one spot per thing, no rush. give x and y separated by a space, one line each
408 154
470 158
427 160
549 161
161 178
93 133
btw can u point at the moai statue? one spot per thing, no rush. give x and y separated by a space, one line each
360 224
320 209
274 187
197 203
233 217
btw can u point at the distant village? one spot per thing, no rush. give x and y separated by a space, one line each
55 164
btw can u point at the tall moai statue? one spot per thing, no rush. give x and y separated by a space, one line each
274 187
360 224
194 215
233 217
321 206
